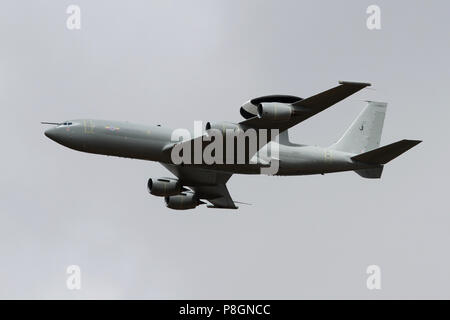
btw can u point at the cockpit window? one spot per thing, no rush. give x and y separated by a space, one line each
66 123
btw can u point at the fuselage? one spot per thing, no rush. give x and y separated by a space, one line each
112 138
124 139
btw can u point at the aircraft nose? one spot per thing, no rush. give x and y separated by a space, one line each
52 133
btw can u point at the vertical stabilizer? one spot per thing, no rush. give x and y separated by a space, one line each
364 134
283 138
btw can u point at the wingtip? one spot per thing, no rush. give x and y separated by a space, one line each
413 142
240 202
217 207
354 83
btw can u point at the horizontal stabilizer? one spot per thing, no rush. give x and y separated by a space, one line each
387 153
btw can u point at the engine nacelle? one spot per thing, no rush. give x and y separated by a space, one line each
250 108
275 111
223 126
183 201
164 187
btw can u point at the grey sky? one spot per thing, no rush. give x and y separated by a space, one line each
173 62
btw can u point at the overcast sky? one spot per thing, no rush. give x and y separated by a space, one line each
173 62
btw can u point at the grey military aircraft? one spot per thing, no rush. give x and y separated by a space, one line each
196 182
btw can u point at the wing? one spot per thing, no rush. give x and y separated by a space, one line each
306 108
207 184
302 110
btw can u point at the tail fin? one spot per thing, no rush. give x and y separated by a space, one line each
364 133
387 153
283 137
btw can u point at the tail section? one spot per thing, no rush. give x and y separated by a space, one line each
370 173
283 138
387 153
364 134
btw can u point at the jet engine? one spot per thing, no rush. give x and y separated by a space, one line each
222 126
275 111
183 201
250 108
164 187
